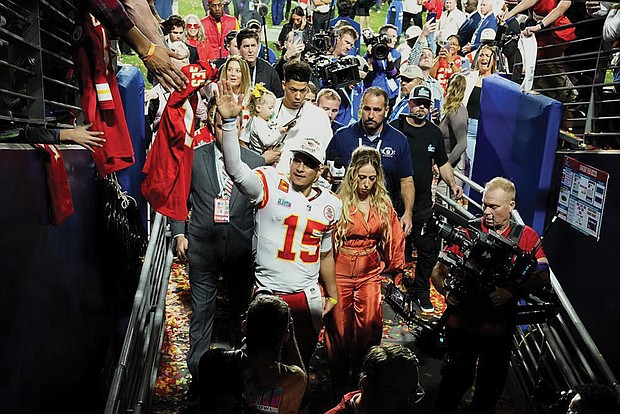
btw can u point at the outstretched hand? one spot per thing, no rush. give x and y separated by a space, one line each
165 71
227 105
83 136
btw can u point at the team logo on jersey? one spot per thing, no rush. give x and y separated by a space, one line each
431 148
284 203
283 186
388 152
329 212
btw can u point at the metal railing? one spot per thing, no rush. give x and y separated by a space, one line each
552 356
590 97
136 372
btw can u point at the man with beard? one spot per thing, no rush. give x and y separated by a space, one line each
427 148
372 131
217 25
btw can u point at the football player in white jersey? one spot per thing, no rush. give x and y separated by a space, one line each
292 226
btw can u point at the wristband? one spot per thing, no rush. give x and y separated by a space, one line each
332 300
150 53
541 24
229 120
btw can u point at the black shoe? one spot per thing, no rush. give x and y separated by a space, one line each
425 303
192 394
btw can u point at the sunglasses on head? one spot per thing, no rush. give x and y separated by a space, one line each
192 26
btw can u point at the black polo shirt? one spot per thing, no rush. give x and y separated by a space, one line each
427 147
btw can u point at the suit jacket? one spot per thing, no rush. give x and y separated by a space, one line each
218 240
266 74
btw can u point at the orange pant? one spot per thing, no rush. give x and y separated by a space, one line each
356 322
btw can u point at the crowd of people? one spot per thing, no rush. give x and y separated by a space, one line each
306 192
333 189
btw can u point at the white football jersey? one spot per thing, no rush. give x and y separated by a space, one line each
290 232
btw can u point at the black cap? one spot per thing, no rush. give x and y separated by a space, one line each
420 92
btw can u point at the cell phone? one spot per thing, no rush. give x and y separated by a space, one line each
431 16
298 37
447 45
289 123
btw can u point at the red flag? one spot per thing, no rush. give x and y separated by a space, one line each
61 202
168 166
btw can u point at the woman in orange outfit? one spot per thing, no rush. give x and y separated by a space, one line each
369 241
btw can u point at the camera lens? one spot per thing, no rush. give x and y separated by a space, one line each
380 51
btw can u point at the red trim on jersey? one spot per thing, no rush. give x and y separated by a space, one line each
261 175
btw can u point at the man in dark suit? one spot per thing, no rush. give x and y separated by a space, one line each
216 241
260 70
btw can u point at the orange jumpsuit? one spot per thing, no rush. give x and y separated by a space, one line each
356 322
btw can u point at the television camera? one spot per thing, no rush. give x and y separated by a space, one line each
487 260
490 260
378 44
336 73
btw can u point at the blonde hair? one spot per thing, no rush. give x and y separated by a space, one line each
502 184
201 36
347 29
257 97
349 196
328 93
454 93
493 57
245 74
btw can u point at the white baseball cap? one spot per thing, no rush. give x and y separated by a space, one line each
412 32
487 34
312 148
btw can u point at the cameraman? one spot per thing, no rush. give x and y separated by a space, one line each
345 40
479 324
383 72
346 36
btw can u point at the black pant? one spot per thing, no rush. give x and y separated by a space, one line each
319 21
424 239
473 357
409 17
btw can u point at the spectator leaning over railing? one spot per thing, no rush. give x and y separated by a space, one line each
156 57
544 14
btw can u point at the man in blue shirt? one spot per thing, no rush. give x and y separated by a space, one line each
372 131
